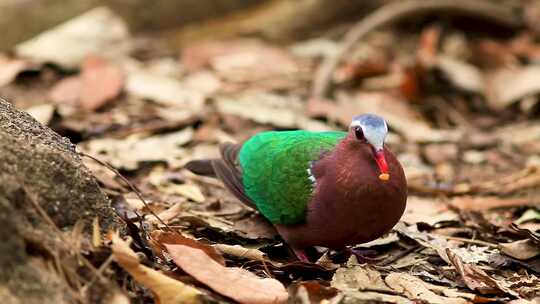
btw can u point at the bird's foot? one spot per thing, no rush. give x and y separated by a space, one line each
301 255
363 256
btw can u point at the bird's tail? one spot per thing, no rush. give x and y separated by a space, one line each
202 167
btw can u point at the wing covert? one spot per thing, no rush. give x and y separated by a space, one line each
275 171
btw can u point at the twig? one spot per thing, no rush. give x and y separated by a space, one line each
98 273
129 184
470 241
398 10
48 220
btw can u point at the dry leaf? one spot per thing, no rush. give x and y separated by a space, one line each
164 90
189 191
98 31
425 210
416 289
118 298
265 108
67 91
487 202
315 48
360 283
243 252
428 240
521 250
169 214
463 75
506 86
359 277
530 233
313 292
474 277
129 152
386 239
10 68
99 82
241 58
102 81
255 227
441 153
160 239
527 216
236 283
42 113
166 290
519 134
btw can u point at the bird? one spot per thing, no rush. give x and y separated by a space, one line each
330 189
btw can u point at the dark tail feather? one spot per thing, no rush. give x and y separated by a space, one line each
201 167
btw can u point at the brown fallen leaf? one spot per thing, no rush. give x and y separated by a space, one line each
265 108
166 290
416 289
190 191
249 55
506 86
521 250
236 283
159 240
430 211
169 214
359 277
308 292
97 31
99 82
528 286
440 153
475 278
462 75
487 202
531 234
102 81
129 152
243 252
167 91
66 91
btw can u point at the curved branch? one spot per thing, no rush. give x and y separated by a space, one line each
399 10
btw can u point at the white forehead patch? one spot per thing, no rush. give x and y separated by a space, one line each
373 127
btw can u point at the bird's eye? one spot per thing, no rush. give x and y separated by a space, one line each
359 133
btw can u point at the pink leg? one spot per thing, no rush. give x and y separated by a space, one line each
301 255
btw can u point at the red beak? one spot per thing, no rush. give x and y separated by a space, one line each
383 166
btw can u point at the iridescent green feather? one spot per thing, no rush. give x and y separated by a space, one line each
275 171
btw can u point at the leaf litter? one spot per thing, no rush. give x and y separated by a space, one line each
463 118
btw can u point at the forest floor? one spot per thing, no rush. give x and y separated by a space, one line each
461 100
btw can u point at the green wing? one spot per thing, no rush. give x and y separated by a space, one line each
275 171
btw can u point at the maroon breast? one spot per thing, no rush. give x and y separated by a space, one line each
350 204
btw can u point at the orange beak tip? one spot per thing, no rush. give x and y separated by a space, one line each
384 176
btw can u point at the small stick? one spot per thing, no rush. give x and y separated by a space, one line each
470 241
129 184
398 10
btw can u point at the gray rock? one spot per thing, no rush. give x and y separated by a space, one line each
40 172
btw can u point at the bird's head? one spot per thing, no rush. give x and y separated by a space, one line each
372 130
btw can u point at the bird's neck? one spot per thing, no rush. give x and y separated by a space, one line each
354 160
